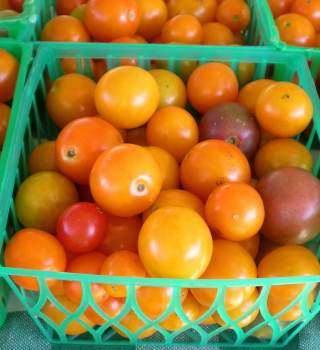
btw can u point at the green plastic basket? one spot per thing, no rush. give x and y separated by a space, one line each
23 53
27 25
271 37
31 125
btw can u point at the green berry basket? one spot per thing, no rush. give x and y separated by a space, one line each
270 35
27 25
23 53
31 125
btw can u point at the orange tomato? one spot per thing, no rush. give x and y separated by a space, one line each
309 9
39 208
171 227
287 261
121 263
296 30
235 14
71 97
284 109
212 163
57 289
154 15
137 136
133 325
121 234
250 93
210 84
169 167
43 158
281 153
89 263
176 198
191 310
9 68
280 7
126 180
276 305
173 129
239 311
65 7
58 316
251 245
110 308
154 301
5 112
65 28
36 250
172 89
4 5
229 261
217 34
204 10
108 20
126 40
235 211
183 29
80 143
123 107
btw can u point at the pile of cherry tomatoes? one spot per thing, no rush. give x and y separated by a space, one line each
9 69
208 22
136 186
298 21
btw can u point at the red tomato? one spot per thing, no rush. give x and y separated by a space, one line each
90 263
82 227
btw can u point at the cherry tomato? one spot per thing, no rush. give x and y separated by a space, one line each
121 234
204 10
108 20
296 30
250 93
39 208
127 108
89 263
58 316
229 261
80 143
287 261
121 263
65 28
235 211
176 198
184 29
169 167
172 89
235 14
9 68
43 158
309 9
239 311
126 40
217 34
65 7
212 163
71 97
36 250
154 15
210 84
281 153
82 227
5 112
191 310
173 129
280 7
110 307
126 180
284 109
165 230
